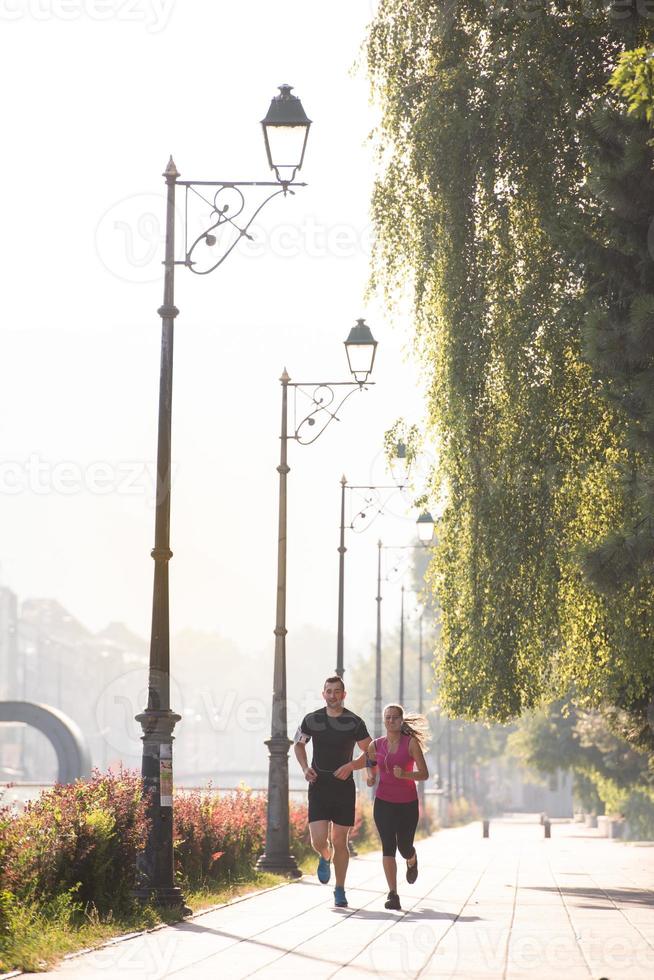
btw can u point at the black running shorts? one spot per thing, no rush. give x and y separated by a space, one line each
332 799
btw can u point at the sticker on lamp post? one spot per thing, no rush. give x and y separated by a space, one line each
165 775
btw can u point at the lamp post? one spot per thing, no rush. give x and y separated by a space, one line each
360 348
340 670
401 684
421 785
449 757
425 531
420 698
285 129
378 653
340 635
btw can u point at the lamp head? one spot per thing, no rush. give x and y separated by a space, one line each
425 527
400 464
285 132
360 348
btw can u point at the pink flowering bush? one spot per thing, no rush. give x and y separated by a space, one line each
5 896
79 838
300 839
219 837
78 844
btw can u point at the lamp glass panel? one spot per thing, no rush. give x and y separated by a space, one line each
286 145
425 531
360 357
399 470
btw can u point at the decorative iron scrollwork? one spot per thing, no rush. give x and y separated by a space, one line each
323 408
227 215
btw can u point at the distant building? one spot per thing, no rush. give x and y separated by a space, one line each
49 657
9 666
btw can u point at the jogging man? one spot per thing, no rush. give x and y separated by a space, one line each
334 731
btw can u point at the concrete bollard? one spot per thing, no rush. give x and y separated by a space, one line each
485 828
547 827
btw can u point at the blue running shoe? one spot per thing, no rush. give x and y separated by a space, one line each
340 901
324 871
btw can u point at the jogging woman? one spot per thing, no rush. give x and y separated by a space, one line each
399 760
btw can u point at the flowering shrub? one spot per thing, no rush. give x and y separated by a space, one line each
82 837
461 810
5 896
217 837
76 846
300 839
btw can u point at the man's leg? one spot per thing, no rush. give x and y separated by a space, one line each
318 831
341 853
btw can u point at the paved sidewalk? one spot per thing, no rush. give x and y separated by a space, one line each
511 907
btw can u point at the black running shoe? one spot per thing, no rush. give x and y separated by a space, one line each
412 869
393 902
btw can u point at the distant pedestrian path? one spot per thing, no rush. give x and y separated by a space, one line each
514 906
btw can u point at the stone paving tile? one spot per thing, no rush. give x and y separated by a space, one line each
512 907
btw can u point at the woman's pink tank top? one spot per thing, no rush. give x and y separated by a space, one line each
390 788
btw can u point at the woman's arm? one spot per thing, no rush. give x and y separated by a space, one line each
421 772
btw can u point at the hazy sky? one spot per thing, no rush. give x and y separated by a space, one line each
97 95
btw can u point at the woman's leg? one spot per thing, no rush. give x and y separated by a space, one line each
383 814
406 829
390 870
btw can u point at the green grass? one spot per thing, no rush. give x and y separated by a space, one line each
37 937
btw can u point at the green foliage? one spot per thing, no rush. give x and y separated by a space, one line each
461 811
638 810
615 260
407 434
6 902
609 775
484 157
633 79
80 838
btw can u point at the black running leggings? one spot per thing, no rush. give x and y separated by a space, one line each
396 824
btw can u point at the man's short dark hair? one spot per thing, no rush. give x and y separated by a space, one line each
334 680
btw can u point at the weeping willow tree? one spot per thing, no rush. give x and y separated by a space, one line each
483 208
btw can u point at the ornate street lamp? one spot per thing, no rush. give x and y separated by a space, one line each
425 527
361 348
286 131
401 685
373 506
227 206
323 407
400 465
425 530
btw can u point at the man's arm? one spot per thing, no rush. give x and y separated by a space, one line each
344 771
300 750
360 763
